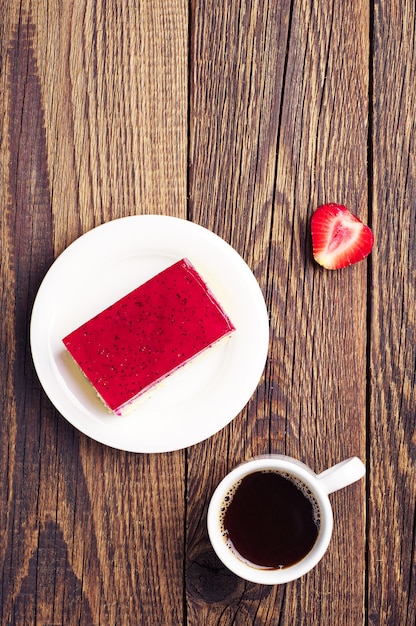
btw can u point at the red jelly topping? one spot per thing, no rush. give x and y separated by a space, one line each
148 334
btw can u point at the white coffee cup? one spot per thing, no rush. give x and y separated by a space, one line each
317 485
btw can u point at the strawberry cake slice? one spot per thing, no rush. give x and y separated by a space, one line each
148 334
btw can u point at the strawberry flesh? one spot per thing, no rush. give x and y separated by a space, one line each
339 238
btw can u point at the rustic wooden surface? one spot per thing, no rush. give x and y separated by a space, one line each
243 117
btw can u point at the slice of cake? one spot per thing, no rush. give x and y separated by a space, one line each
148 334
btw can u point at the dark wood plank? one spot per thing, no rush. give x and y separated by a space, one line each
392 478
273 135
90 535
319 353
236 86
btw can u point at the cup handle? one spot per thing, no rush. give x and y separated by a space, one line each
342 474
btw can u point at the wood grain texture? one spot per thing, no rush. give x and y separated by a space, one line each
87 139
236 78
273 158
319 350
392 440
243 117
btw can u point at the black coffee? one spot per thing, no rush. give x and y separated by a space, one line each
270 520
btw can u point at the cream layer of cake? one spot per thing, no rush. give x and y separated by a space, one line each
148 334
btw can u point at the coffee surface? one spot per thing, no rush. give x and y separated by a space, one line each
270 521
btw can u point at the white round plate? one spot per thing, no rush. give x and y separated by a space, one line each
109 261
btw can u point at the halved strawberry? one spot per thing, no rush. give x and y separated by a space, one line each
339 238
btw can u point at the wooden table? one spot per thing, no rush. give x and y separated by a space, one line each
242 117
